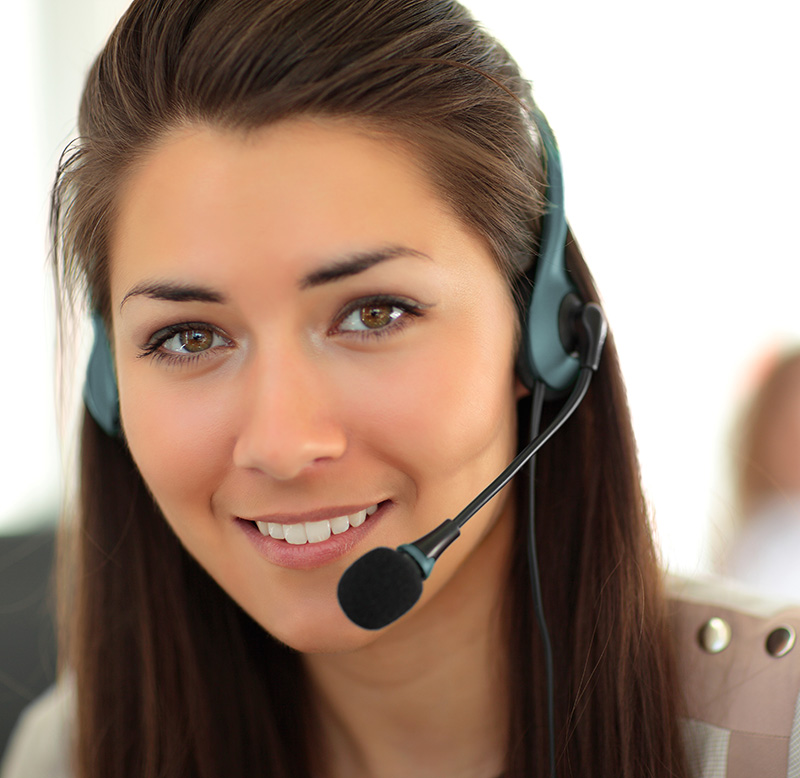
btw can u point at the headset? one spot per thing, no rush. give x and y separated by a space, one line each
100 393
560 348
547 352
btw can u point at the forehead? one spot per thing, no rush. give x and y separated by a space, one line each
301 190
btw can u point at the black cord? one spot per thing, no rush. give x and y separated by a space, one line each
537 401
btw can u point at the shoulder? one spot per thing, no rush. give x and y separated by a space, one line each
739 662
764 554
40 743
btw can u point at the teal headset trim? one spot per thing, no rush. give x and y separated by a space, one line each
100 390
542 358
425 562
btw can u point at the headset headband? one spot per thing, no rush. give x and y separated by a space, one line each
543 355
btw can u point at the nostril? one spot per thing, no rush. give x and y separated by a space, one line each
283 448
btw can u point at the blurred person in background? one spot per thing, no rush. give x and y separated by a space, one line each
765 551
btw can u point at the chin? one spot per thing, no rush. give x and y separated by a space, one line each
322 638
312 630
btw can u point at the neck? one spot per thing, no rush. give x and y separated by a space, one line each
429 697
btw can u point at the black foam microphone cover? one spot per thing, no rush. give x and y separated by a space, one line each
380 587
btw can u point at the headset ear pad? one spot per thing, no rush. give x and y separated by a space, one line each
548 343
100 393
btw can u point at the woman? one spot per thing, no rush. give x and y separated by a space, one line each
308 229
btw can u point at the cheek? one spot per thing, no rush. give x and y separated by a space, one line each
177 439
442 404
438 407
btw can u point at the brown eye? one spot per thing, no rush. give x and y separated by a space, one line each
190 340
185 341
195 341
376 316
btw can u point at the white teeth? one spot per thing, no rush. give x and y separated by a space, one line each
296 534
314 531
357 519
317 531
277 531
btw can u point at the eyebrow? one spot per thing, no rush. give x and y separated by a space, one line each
352 265
181 293
355 264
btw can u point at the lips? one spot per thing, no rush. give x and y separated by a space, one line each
296 551
300 533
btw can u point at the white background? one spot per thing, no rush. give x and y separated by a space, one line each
678 126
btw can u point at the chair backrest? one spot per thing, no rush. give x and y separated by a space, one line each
27 635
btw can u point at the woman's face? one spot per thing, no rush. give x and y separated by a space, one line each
307 337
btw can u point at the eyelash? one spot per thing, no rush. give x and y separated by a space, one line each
158 339
153 347
407 308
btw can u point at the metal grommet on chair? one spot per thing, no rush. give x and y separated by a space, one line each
714 635
781 641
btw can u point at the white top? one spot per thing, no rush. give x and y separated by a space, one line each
766 554
40 744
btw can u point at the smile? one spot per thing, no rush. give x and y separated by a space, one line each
314 531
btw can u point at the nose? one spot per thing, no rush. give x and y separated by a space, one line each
288 420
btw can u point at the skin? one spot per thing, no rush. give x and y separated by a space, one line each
778 450
295 406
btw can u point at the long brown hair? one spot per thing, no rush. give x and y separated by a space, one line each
173 678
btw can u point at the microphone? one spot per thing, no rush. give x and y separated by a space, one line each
379 587
383 584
